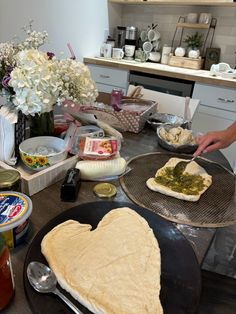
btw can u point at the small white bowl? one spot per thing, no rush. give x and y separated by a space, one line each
36 161
155 56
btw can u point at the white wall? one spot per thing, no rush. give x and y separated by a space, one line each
80 22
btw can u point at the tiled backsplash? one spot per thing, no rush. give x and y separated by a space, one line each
167 16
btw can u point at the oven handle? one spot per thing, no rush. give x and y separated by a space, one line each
225 100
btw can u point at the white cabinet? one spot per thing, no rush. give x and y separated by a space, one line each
217 111
177 2
107 78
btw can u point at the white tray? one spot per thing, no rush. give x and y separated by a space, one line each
33 182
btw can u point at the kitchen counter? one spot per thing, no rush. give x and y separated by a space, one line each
201 76
47 205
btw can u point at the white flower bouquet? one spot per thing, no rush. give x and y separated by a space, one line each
33 81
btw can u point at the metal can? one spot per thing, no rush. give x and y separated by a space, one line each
10 180
105 190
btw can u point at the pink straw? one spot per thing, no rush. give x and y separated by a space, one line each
71 51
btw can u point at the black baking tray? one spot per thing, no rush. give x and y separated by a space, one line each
180 271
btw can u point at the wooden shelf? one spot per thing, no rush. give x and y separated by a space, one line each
193 25
226 3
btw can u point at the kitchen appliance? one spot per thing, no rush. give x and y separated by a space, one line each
120 35
162 84
131 35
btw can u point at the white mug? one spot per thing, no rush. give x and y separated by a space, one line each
129 50
144 35
153 35
155 56
205 18
156 45
192 18
117 53
147 46
107 50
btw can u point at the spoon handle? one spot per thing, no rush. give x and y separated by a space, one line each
67 301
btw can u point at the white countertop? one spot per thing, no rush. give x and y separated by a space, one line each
165 70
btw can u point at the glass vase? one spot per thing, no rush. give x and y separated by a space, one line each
42 124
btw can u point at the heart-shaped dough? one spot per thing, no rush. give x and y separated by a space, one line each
112 269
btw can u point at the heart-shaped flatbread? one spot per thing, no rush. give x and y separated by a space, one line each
113 269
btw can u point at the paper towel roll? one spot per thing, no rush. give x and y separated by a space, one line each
165 54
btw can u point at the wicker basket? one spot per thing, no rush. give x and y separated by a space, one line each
124 120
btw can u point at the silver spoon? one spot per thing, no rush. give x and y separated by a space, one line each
43 280
181 165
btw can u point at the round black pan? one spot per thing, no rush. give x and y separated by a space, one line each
180 272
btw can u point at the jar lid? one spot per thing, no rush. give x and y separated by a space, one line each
15 208
105 190
8 177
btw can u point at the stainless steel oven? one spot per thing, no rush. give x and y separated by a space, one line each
162 84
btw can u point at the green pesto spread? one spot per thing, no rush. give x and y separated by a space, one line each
184 183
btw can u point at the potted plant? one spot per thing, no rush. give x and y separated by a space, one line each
194 43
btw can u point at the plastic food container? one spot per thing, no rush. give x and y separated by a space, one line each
15 209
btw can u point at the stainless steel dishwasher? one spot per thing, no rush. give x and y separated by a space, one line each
162 84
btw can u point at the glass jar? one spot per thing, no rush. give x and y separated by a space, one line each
6 277
10 180
116 97
42 124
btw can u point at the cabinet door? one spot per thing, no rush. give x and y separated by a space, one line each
214 96
108 78
210 119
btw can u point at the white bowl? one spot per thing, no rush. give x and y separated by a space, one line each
41 160
155 56
185 148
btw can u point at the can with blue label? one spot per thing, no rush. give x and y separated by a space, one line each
15 209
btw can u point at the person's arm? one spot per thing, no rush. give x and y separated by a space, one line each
216 140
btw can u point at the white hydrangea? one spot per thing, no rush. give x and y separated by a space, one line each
7 52
77 83
35 81
32 81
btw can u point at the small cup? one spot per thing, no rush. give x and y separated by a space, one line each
129 50
117 53
153 35
204 18
192 18
107 50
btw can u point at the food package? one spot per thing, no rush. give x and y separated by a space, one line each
98 148
101 169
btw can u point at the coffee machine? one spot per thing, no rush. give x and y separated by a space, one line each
131 35
120 35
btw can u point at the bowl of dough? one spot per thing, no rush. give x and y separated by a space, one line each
159 119
176 139
41 152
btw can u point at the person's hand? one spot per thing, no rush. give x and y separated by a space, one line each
216 140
